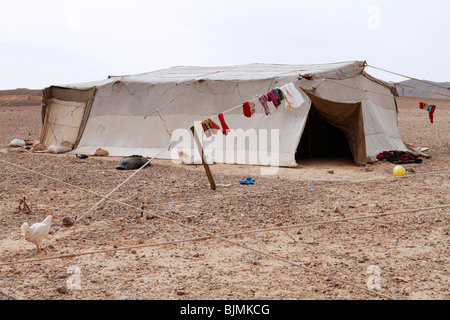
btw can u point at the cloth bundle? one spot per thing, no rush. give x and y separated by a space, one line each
399 157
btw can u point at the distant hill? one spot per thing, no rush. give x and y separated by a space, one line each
406 91
20 97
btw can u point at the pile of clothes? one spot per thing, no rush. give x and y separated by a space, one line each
399 157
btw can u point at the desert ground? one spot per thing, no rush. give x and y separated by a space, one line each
326 230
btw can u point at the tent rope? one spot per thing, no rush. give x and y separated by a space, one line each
221 237
7 295
21 98
408 77
405 85
125 181
235 243
234 234
255 194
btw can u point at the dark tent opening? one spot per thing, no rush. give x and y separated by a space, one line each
321 139
333 130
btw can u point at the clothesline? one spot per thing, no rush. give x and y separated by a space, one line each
287 94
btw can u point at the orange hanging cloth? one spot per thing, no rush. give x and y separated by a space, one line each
209 127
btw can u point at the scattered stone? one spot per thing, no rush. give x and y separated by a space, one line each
400 280
62 289
101 153
68 222
17 143
254 257
62 275
180 291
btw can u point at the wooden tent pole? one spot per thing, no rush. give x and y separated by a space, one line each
205 164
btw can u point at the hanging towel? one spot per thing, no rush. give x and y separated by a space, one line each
293 97
272 97
209 127
263 99
224 124
431 108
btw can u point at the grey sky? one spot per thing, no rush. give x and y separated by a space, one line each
50 42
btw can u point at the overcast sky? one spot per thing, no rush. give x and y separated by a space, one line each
51 42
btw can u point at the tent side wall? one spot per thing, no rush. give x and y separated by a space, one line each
124 120
64 113
379 110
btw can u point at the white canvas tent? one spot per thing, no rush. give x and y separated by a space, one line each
140 114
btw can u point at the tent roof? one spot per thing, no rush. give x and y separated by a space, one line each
249 72
256 71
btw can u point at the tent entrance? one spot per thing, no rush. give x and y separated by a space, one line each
321 139
333 130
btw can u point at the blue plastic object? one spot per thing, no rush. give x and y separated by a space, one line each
247 181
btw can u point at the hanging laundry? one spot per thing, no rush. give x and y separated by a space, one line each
252 107
293 97
247 109
263 100
224 124
431 108
210 127
272 97
279 94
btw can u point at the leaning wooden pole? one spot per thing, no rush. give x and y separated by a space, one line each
203 156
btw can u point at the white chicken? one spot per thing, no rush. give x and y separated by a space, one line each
38 231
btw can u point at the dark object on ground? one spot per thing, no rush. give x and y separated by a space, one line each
399 157
132 162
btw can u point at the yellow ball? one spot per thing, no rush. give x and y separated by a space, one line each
399 171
